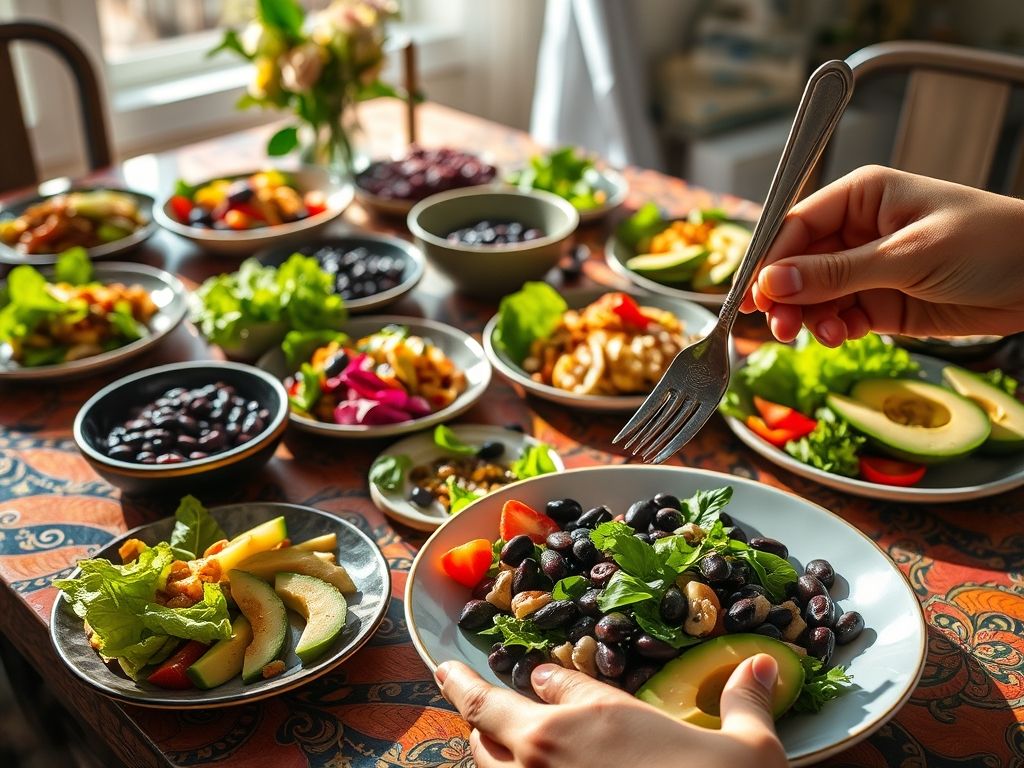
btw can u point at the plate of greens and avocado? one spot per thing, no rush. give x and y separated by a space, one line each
212 608
692 258
875 420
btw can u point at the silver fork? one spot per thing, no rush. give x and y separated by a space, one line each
694 383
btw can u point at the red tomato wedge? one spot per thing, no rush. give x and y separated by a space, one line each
777 437
171 674
469 562
890 472
181 206
628 310
778 416
517 518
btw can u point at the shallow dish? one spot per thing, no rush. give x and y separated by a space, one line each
167 293
246 242
464 351
360 556
975 477
410 255
13 209
697 320
110 407
886 661
421 449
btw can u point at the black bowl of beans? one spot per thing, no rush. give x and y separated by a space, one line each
370 271
201 423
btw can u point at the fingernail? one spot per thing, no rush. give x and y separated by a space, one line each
831 330
766 670
542 674
441 673
782 281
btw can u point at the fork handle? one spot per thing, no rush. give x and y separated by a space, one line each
827 93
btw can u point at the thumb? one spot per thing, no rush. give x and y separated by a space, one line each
558 685
746 701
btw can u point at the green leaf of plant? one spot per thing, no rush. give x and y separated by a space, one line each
445 437
633 556
820 687
284 141
569 588
529 314
388 472
533 461
521 632
298 346
459 498
308 391
623 589
285 15
703 507
194 529
74 267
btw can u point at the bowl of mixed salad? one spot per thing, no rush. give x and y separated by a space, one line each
661 580
571 174
381 376
76 318
595 350
241 213
423 479
873 419
210 608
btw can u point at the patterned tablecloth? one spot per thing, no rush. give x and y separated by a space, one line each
964 561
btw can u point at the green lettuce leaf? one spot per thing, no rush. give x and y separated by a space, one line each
388 472
533 461
299 346
703 507
523 632
124 323
194 530
772 572
832 446
569 588
459 497
820 687
445 437
633 556
623 589
73 267
641 226
308 390
529 314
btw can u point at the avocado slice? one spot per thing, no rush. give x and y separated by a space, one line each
258 539
913 420
320 604
676 266
1005 412
290 560
727 244
224 660
263 608
690 687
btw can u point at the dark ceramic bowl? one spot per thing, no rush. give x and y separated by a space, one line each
111 405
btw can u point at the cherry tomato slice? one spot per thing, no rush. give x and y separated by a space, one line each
468 563
518 518
626 308
890 472
778 416
777 437
172 673
181 207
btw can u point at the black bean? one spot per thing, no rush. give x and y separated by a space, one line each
640 514
668 519
611 661
807 587
524 668
585 552
655 535
820 611
741 616
822 571
587 603
769 630
336 364
553 564
477 614
517 549
582 627
170 458
726 519
673 605
483 587
737 534
122 452
253 424
594 517
491 450
772 546
614 627
714 567
580 534
779 617
420 496
145 457
560 541
186 443
848 627
652 648
663 500
747 590
740 575
196 455
821 642
633 679
503 657
555 614
601 573
528 577
213 440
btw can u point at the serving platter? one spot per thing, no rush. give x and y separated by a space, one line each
366 609
885 661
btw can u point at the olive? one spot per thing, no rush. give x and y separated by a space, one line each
555 614
121 452
807 587
420 496
821 642
741 616
772 546
848 627
614 627
523 669
673 605
563 510
611 661
820 611
747 590
170 458
739 577
663 500
651 647
336 364
553 564
601 573
491 450
594 517
477 614
586 552
502 658
640 514
822 571
780 617
528 577
582 627
517 549
483 587
634 679
668 519
714 567
737 534
559 541
196 455
145 457
769 630
587 603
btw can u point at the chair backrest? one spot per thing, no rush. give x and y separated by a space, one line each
952 119
17 166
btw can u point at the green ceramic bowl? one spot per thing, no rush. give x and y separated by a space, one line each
492 270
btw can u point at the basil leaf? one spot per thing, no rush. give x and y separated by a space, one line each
388 472
522 632
624 589
649 620
820 687
535 460
458 497
773 573
703 507
569 588
445 437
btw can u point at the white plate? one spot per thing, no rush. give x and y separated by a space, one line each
696 320
248 241
421 449
167 293
972 478
885 661
464 351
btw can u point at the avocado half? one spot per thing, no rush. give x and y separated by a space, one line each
690 687
914 420
1005 412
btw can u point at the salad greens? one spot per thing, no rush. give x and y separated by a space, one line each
533 461
73 267
298 294
820 687
636 231
524 632
565 172
531 313
459 497
445 437
1002 380
833 446
388 472
298 346
194 530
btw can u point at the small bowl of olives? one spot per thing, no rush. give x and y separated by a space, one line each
491 241
203 423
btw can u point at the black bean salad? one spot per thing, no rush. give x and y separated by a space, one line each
187 425
620 596
358 272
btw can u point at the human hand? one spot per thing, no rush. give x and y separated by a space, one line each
887 251
586 722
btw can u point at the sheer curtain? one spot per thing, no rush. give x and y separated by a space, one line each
591 87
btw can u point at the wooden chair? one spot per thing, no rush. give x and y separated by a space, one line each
953 119
17 166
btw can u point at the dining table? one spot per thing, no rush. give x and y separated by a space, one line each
381 707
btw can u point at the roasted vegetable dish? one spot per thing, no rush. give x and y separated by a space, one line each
64 221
